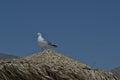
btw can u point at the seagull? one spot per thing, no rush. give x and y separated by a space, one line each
44 43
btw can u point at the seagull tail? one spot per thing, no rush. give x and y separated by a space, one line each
54 45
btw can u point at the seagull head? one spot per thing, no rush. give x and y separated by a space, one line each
39 34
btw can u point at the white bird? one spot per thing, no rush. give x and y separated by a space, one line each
44 43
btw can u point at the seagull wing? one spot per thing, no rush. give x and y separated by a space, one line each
49 43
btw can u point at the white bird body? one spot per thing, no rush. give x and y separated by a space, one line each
44 43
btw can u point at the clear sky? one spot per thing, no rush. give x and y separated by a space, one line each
85 30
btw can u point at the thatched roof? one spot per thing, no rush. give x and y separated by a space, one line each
50 65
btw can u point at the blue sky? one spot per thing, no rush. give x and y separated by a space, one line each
87 31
